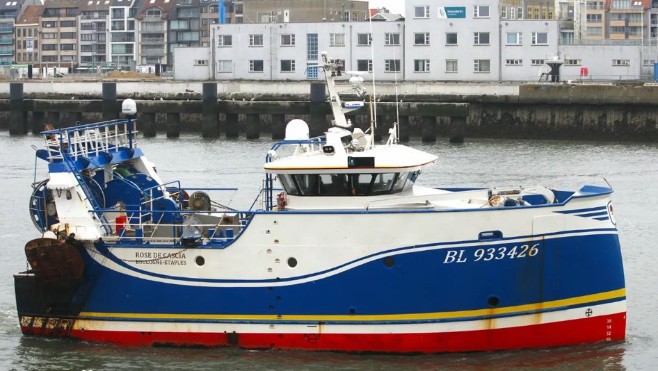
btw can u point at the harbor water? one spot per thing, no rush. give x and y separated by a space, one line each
630 168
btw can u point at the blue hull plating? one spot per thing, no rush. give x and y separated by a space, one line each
418 282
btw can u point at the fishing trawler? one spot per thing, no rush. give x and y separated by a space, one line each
341 251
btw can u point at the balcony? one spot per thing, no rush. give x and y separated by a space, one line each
618 23
152 40
152 18
153 53
154 28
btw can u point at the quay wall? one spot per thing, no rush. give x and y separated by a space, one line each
582 111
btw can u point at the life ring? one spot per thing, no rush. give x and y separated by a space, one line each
282 200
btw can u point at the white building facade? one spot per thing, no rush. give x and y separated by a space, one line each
459 40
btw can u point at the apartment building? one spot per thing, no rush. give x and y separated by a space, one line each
152 19
8 12
93 44
466 40
184 26
627 19
294 11
58 34
123 50
209 15
27 40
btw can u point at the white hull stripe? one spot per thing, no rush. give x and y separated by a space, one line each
431 327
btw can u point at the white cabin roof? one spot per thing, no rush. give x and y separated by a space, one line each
387 158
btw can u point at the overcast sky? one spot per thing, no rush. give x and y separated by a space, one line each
395 6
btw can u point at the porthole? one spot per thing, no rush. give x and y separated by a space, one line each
292 262
200 261
493 301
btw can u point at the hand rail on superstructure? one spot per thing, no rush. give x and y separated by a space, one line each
90 139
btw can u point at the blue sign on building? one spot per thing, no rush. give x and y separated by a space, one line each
452 12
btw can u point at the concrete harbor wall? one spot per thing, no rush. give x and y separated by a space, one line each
622 111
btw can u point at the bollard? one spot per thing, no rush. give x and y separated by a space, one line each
232 125
253 126
456 131
173 125
318 112
110 107
209 111
428 129
17 115
278 126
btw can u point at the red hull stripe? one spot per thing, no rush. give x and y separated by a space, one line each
588 330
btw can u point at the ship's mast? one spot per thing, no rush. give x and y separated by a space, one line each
333 69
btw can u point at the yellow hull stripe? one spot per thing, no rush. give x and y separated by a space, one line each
549 305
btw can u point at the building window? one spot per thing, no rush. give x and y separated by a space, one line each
48 35
540 38
288 40
621 62
48 24
422 38
482 65
481 38
256 40
118 13
594 18
422 65
451 66
594 31
363 39
572 62
514 62
200 62
392 39
287 65
537 62
48 46
645 62
225 40
337 39
68 24
311 71
481 11
68 35
312 46
514 38
256 65
364 65
67 47
118 25
224 66
392 65
451 38
422 11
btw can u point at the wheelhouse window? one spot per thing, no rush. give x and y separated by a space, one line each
366 184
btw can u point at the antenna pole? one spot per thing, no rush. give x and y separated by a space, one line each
374 88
